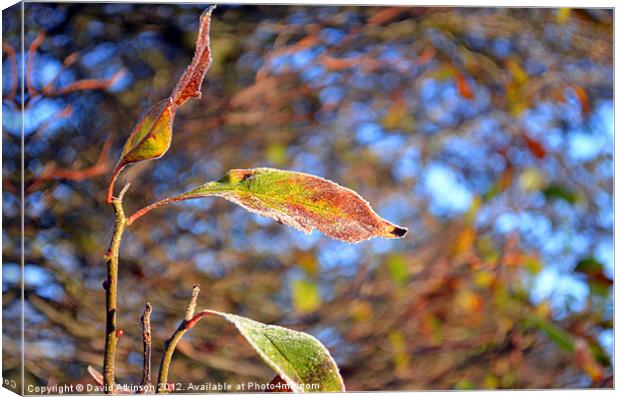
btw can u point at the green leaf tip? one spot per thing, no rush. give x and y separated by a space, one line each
298 358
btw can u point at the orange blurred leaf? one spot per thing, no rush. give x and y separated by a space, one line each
426 56
463 86
386 15
464 241
469 301
339 63
304 43
586 361
582 97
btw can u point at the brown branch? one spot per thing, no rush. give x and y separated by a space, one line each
146 341
63 113
111 287
32 50
88 84
8 185
10 52
50 87
101 166
162 379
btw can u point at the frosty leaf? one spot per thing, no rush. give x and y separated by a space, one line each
189 85
302 201
298 358
151 137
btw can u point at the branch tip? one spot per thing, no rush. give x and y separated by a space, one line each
124 190
210 9
184 326
191 306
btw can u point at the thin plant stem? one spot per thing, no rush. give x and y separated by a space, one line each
143 211
146 340
111 287
110 194
171 344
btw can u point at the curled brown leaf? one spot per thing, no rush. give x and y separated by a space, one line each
189 85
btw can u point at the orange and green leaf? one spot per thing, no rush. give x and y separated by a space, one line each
302 201
149 139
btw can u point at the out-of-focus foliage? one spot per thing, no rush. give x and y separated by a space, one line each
487 132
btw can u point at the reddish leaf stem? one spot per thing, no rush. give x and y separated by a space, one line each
110 194
197 317
143 211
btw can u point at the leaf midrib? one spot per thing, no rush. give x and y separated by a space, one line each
285 357
314 208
